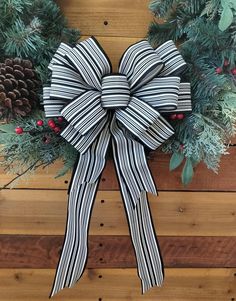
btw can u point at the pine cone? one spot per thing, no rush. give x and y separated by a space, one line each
18 88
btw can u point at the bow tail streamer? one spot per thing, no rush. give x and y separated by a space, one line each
81 198
149 260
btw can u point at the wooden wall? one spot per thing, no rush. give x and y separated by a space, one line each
196 224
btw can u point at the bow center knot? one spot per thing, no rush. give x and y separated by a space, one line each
115 91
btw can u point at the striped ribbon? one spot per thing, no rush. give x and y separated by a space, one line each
124 109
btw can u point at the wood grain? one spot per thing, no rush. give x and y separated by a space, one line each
174 213
204 179
21 251
120 285
124 18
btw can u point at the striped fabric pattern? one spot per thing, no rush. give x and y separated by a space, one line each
150 267
84 112
115 91
125 108
174 63
90 61
83 142
184 100
140 64
132 162
138 116
81 198
162 93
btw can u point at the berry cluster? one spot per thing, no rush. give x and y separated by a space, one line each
179 116
226 68
53 126
51 123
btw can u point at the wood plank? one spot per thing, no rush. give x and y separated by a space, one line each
39 252
122 18
204 179
120 285
174 213
41 179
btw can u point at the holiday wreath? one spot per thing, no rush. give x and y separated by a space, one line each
148 103
30 33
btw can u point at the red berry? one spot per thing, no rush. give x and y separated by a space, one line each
180 116
40 122
19 130
233 71
173 116
51 123
226 62
60 119
219 70
57 129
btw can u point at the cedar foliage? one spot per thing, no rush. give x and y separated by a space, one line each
207 41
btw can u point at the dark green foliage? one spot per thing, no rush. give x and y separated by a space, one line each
33 29
37 146
194 25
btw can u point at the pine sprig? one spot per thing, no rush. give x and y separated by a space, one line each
23 41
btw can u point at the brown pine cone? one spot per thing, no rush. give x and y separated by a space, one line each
18 88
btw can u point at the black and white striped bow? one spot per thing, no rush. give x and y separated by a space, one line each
125 108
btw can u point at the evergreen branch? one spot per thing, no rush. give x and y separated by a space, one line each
34 166
211 57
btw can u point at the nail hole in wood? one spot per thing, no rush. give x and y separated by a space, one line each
17 276
103 179
232 299
100 299
100 276
100 245
101 259
101 225
66 182
234 274
105 23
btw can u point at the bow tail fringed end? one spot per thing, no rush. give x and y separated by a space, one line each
125 108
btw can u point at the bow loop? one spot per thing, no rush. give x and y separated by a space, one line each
140 63
162 93
90 61
84 112
174 63
145 123
138 116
